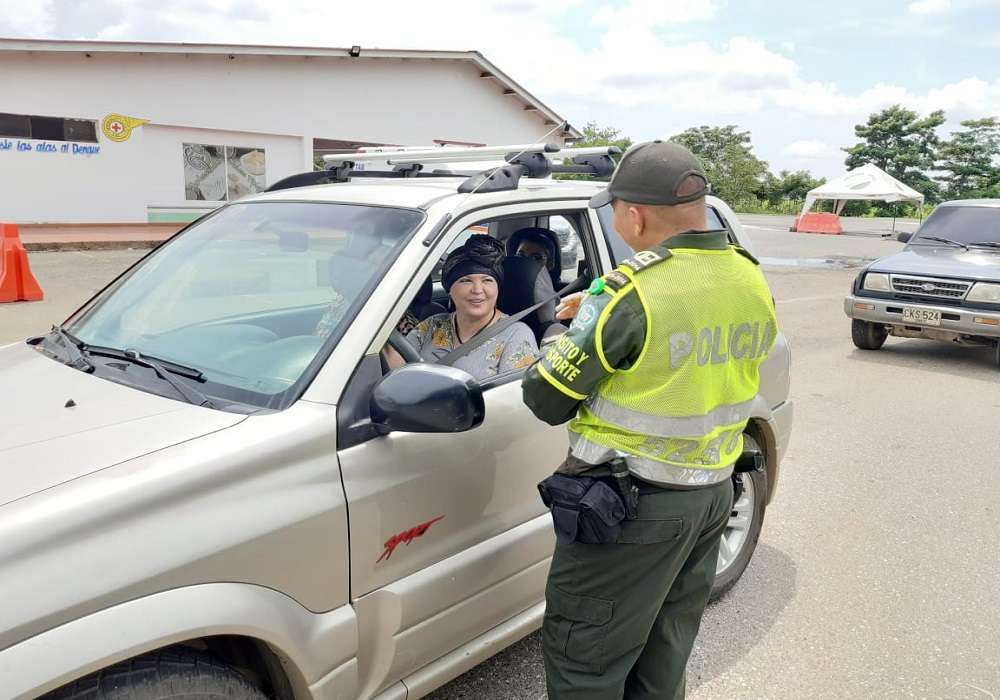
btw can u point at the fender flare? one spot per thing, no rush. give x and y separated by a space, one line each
761 418
311 646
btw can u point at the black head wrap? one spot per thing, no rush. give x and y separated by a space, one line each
481 255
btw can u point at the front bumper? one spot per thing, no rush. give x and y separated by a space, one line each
954 320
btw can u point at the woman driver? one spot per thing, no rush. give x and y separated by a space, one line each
472 275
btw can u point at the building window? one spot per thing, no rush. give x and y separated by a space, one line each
25 126
222 173
80 130
15 126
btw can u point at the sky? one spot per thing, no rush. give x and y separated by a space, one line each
798 74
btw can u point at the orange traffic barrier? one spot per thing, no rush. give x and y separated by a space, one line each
818 223
16 281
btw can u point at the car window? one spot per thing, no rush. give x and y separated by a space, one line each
713 221
249 295
571 247
458 242
620 250
564 227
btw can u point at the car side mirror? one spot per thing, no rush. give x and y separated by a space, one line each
904 236
426 398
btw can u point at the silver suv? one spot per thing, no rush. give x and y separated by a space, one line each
213 484
945 285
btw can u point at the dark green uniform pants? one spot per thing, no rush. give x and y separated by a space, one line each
621 618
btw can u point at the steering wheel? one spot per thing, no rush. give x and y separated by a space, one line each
403 346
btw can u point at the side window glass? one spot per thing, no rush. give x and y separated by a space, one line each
459 241
571 247
712 219
715 220
620 250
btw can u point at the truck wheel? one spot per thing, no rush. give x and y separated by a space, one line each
739 540
176 673
867 335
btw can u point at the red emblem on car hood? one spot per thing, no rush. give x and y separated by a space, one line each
406 537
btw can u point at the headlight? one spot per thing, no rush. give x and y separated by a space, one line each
984 291
877 282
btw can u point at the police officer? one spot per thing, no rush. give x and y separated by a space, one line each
657 375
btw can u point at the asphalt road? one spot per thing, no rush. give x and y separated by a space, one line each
874 572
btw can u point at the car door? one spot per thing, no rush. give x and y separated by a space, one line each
448 535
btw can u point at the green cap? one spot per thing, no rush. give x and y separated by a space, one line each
660 173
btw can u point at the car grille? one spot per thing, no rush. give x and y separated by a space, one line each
933 287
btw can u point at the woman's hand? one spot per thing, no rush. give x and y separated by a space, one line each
393 358
569 306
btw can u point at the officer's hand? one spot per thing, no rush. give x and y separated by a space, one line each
569 306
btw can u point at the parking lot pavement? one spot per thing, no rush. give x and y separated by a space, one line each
68 279
864 240
874 573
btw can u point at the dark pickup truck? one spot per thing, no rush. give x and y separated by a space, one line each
945 285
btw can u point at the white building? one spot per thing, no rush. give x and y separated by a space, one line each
109 132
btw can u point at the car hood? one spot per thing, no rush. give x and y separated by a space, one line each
942 261
44 442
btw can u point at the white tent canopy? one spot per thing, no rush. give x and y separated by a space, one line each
867 182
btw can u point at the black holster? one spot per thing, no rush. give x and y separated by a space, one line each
584 509
625 485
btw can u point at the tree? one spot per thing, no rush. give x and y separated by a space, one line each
969 158
594 135
900 142
733 170
788 186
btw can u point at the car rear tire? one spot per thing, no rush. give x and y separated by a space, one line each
996 354
177 673
867 335
739 540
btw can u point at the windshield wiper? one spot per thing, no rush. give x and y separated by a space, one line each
987 244
164 369
938 239
74 347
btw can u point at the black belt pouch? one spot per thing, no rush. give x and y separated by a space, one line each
583 509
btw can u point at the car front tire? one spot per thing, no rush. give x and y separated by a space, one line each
177 674
867 335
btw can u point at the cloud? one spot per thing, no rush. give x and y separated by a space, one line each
959 99
810 149
30 19
655 13
929 7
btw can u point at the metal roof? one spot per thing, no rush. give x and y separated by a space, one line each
487 71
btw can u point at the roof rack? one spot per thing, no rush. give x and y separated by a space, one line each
448 154
521 160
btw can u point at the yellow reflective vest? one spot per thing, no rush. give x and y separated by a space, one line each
678 412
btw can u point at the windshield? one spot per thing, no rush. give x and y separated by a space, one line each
250 295
962 224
